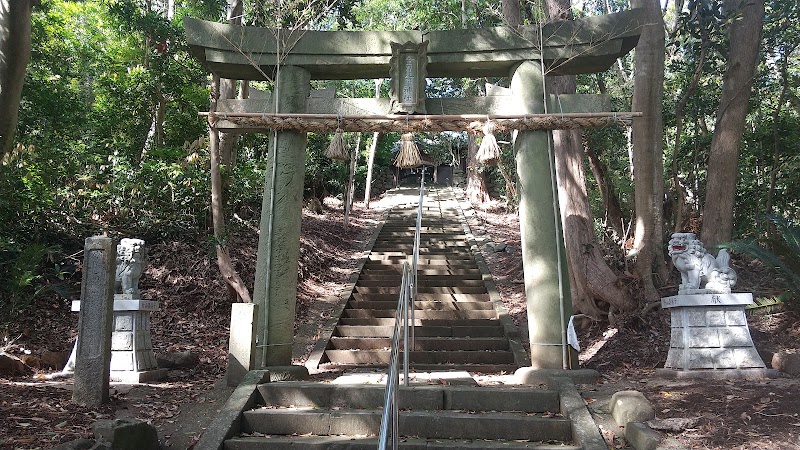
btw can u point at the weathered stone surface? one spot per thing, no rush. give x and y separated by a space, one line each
787 362
127 434
93 352
278 253
241 343
579 46
673 424
529 375
630 406
288 373
641 437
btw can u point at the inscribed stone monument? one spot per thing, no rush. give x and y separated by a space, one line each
93 348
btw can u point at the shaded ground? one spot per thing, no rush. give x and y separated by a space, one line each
194 316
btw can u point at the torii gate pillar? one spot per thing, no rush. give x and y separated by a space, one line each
279 240
544 263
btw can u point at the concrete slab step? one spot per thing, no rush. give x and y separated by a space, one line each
420 315
437 424
416 397
474 323
421 357
420 343
389 270
471 368
274 442
423 306
423 290
426 297
426 331
454 281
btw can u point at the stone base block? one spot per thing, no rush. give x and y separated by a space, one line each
718 374
530 375
144 376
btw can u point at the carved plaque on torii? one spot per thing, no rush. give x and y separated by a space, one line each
407 69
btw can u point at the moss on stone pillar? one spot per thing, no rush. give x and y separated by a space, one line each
542 242
276 302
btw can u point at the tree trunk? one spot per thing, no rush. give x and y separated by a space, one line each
511 13
723 162
476 182
680 194
611 205
15 52
590 277
776 147
236 287
372 148
647 136
351 182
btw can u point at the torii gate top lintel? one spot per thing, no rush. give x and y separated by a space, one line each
570 47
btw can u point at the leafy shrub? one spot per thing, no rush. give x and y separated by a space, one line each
782 254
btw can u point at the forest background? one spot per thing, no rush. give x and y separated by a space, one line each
108 138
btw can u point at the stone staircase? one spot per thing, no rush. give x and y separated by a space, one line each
456 322
460 327
303 415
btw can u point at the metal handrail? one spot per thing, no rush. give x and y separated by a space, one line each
405 303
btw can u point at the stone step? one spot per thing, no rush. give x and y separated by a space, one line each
423 290
380 270
477 323
427 297
471 368
423 282
400 257
422 263
420 343
420 314
410 233
422 357
426 331
437 424
423 306
396 275
392 250
273 442
416 397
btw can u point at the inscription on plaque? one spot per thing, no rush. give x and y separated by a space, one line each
407 69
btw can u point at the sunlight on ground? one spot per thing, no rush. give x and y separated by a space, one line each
592 350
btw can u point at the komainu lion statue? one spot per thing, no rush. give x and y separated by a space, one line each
131 258
698 268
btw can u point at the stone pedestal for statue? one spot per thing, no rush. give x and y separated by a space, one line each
709 336
132 357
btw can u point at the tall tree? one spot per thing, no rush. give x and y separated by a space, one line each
591 280
746 21
15 51
222 147
647 137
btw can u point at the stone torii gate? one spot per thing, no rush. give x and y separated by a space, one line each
525 54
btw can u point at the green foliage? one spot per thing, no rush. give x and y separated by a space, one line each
782 255
21 270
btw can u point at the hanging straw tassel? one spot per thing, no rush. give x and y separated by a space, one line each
408 156
489 151
337 150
